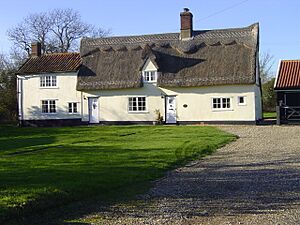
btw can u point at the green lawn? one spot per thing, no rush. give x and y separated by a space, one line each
269 115
47 167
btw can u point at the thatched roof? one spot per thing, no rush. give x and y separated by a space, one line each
212 57
51 63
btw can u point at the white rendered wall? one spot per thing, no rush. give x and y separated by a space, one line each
113 104
65 92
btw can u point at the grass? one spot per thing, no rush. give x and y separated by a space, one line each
269 115
44 168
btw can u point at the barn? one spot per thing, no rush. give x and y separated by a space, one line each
287 88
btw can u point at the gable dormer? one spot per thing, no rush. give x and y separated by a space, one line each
149 72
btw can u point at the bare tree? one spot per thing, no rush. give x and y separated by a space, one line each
17 57
58 31
99 33
67 27
266 63
21 37
39 25
267 77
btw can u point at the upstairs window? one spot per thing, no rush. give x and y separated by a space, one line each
137 104
48 106
48 81
221 103
150 76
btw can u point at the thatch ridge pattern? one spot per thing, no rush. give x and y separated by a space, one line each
215 57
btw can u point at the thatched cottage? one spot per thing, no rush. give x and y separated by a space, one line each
187 77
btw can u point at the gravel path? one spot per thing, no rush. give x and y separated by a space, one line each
255 180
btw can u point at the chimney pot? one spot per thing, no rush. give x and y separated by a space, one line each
186 22
36 49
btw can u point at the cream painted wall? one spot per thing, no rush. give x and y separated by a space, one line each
33 94
113 104
199 103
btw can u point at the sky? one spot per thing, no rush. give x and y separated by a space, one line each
279 19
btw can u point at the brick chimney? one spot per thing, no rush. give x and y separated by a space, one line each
36 49
186 22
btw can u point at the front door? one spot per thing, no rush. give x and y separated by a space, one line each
171 109
93 110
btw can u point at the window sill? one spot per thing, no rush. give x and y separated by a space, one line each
49 87
149 82
221 110
49 113
138 112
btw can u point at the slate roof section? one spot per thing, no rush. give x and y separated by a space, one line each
288 76
212 57
51 63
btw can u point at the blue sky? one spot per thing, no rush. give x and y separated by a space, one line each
279 19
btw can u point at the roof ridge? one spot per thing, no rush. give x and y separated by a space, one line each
129 36
250 27
290 60
61 53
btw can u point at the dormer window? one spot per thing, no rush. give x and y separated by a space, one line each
150 76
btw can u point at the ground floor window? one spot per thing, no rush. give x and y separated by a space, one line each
137 104
221 103
48 106
241 100
73 107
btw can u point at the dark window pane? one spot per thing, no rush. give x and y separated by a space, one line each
242 100
75 107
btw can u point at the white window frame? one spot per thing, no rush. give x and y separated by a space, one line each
137 111
221 104
238 100
72 107
155 74
48 106
48 81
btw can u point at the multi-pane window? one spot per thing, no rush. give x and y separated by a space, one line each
48 81
137 104
73 107
221 103
48 106
150 76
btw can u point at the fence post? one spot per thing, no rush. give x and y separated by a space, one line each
278 113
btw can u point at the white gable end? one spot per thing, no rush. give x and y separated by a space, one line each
149 66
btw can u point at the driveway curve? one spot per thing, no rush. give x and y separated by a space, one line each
254 180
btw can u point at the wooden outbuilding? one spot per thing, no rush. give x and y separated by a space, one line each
287 87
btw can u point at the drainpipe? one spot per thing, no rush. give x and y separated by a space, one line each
81 105
20 99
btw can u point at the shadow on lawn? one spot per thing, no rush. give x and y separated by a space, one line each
227 189
9 144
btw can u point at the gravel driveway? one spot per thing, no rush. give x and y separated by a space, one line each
255 180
